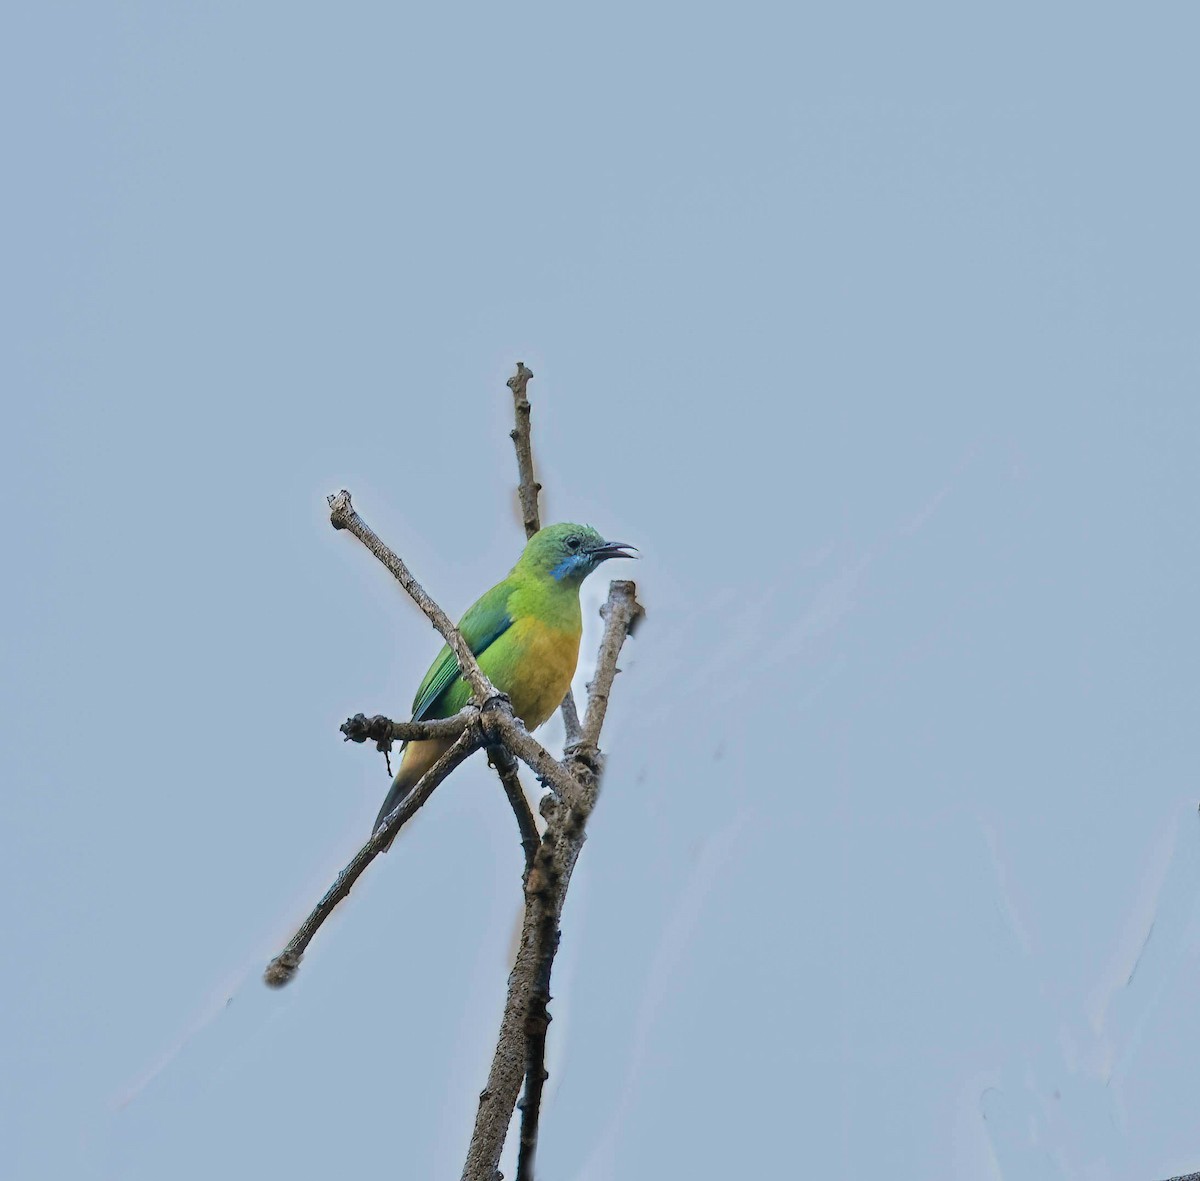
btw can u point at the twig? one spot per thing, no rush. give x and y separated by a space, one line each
620 614
343 516
283 967
527 492
528 487
510 730
506 768
537 1017
498 1099
570 716
515 1058
360 728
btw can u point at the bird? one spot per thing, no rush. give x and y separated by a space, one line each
525 634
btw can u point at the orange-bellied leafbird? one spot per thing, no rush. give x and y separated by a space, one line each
525 634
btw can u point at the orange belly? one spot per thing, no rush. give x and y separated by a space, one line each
533 663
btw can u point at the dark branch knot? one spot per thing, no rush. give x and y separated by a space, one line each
377 729
340 509
499 704
281 969
520 379
586 753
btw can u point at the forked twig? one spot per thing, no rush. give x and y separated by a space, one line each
550 857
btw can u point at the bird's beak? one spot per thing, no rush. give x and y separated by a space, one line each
612 549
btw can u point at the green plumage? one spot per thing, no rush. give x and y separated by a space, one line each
484 623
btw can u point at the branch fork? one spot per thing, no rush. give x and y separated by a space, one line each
550 855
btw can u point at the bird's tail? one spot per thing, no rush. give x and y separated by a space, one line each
418 757
400 788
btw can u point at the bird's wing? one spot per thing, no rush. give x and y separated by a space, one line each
481 626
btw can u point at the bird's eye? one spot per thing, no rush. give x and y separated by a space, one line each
573 543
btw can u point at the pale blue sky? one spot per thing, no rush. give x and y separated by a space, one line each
874 326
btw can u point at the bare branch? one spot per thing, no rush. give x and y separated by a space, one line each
528 487
506 768
509 730
343 516
537 1023
520 1048
283 967
570 716
498 1099
378 728
545 892
527 492
550 859
567 829
620 614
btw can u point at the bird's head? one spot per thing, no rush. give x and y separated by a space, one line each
569 553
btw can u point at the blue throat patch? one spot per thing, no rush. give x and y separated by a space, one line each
568 566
